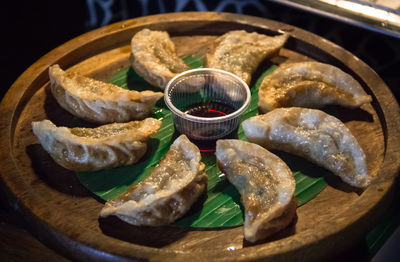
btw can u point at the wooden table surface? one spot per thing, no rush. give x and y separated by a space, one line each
18 244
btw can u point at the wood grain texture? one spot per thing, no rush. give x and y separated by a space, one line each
16 244
65 215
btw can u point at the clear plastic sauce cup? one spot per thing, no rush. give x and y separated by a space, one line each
206 103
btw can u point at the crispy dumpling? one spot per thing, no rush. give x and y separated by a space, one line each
167 193
309 84
99 102
154 57
314 135
240 52
265 183
90 149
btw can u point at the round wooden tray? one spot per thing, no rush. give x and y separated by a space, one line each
64 215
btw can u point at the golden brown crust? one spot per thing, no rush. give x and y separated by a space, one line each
99 102
279 223
314 135
265 183
90 149
154 57
240 52
166 208
167 193
309 84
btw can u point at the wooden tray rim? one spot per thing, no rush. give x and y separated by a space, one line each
82 47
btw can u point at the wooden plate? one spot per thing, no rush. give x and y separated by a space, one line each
64 215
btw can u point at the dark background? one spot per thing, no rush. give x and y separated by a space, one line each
33 28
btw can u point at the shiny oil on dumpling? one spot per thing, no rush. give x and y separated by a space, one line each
314 135
265 183
154 57
167 193
240 52
90 149
309 84
99 102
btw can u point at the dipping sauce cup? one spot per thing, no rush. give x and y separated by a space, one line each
206 103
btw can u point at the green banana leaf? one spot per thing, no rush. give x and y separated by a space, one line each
221 207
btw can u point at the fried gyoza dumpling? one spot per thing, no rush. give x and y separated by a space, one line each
167 193
265 183
154 57
314 135
90 149
97 101
240 52
309 84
